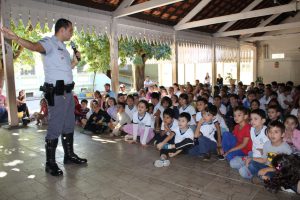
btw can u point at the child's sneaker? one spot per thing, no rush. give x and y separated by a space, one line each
206 157
220 157
166 163
159 163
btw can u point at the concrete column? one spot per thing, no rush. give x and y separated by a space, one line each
8 65
114 56
175 59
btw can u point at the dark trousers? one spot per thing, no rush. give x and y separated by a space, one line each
184 145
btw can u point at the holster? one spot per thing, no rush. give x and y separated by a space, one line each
49 91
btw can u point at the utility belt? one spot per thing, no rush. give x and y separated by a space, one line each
59 89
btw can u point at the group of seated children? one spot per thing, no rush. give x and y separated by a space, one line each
257 133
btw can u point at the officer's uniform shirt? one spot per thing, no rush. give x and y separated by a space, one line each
56 61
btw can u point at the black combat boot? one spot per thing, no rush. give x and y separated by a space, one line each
51 166
70 156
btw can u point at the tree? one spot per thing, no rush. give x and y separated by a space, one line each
94 51
139 52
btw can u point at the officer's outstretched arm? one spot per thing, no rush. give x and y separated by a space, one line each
33 46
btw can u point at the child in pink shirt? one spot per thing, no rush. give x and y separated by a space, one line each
292 134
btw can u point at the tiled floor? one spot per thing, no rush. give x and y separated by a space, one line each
116 170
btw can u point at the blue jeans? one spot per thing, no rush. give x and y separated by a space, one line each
254 167
3 115
205 146
239 163
228 142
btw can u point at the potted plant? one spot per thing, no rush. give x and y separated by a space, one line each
231 80
259 79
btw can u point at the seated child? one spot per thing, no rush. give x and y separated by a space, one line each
122 119
112 108
292 134
251 95
98 121
287 175
183 140
205 134
169 124
255 104
259 137
130 107
186 107
42 116
262 166
274 113
201 105
141 125
83 111
238 143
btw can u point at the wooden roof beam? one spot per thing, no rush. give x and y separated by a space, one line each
194 12
244 15
259 29
148 5
248 8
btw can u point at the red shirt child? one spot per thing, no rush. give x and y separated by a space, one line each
240 134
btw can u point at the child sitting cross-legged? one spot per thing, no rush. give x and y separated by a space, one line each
238 143
169 124
141 125
205 134
122 119
259 137
183 140
262 166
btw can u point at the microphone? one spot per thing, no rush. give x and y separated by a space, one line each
75 50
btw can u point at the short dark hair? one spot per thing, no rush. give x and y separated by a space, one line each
276 124
107 84
277 108
260 113
212 110
170 112
166 99
121 104
199 99
62 23
130 97
155 95
234 96
185 115
120 95
218 97
185 97
144 102
242 109
84 101
256 101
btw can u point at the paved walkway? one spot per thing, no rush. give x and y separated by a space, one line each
116 170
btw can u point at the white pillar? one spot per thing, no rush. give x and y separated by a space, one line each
175 59
238 76
114 56
9 68
213 62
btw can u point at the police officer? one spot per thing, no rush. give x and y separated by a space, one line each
58 91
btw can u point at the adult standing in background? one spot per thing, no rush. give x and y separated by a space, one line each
108 91
220 81
148 83
207 79
58 88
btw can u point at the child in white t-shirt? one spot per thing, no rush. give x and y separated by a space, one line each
183 140
141 125
186 107
259 137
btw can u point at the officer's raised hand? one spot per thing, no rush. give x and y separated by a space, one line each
75 60
33 46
